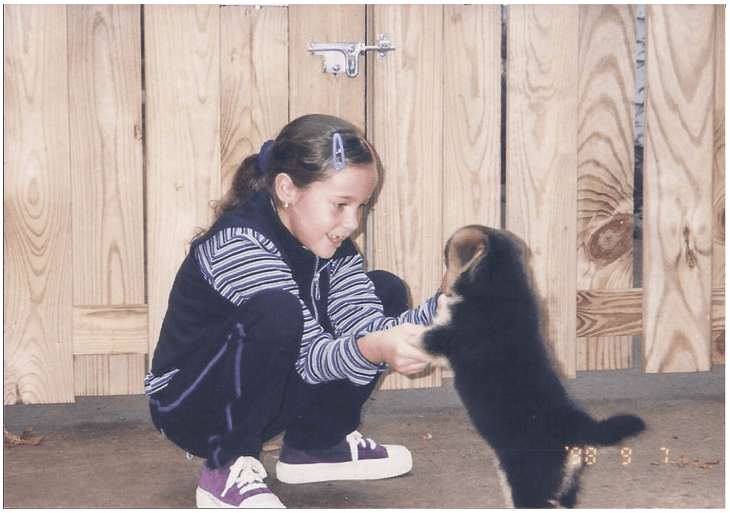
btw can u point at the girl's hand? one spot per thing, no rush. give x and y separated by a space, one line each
396 347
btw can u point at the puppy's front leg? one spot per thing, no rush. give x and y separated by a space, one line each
434 341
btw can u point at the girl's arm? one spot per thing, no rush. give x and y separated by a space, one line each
355 308
239 262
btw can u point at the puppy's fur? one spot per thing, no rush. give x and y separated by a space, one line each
491 335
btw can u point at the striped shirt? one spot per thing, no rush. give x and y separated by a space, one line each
239 262
247 251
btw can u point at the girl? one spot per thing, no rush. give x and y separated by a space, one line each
273 325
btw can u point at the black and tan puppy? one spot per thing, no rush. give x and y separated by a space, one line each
490 332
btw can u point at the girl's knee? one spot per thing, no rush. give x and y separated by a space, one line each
391 291
272 315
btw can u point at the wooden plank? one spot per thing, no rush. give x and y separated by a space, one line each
677 260
37 201
110 329
182 77
606 89
96 375
405 126
542 78
311 90
254 81
105 86
718 187
472 118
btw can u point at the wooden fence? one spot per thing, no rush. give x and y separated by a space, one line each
123 122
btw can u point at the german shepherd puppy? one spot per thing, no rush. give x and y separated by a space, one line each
490 333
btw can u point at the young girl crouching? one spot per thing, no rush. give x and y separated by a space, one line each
273 325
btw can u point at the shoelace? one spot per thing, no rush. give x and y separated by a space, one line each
355 439
247 473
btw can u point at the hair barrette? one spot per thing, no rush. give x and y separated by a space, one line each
338 152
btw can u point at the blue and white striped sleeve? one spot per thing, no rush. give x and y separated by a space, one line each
239 262
355 309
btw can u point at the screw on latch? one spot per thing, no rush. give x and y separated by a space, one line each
339 57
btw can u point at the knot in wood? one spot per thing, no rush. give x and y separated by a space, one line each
612 239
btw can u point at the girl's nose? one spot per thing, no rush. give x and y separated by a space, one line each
352 219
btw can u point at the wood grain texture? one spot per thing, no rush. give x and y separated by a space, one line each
606 89
254 81
718 187
677 258
37 202
110 330
311 90
609 313
406 128
96 375
105 88
542 79
472 119
182 77
718 326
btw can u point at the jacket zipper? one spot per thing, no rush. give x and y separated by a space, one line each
314 289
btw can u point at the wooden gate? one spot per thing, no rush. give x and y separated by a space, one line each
123 122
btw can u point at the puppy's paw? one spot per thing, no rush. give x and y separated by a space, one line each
435 361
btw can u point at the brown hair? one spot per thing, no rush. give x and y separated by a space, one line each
302 150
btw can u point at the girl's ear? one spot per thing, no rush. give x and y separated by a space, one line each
286 191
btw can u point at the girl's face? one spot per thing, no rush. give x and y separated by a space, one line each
322 215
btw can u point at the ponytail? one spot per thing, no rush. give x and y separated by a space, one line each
246 181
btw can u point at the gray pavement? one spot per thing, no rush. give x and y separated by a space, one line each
103 452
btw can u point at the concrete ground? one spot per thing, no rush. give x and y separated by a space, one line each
103 452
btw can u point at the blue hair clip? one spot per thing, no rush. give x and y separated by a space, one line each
338 152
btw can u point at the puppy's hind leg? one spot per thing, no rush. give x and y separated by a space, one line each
532 480
568 494
506 488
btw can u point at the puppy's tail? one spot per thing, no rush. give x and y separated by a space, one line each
614 429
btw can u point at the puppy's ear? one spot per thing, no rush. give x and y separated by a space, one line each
464 251
478 253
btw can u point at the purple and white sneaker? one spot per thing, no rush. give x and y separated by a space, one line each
238 484
355 458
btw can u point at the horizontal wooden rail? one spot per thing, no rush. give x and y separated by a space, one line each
612 313
600 313
106 330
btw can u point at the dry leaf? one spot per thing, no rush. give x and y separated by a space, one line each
10 440
685 462
707 465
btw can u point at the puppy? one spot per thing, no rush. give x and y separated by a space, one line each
490 333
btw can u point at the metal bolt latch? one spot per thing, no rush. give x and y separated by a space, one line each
345 57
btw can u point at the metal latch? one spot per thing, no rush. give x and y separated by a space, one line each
344 57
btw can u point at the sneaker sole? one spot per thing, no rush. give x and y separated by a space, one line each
206 500
398 463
